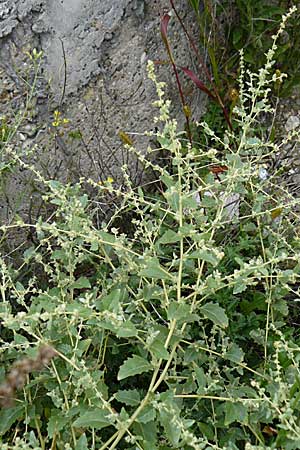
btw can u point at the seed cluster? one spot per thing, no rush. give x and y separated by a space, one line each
16 378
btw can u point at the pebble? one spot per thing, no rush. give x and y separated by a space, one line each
263 174
292 123
29 130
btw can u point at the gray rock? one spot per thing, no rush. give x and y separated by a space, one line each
292 123
5 10
95 58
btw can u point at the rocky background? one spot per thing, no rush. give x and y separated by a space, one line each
93 72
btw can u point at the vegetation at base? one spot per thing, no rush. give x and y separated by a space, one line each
229 26
250 26
181 333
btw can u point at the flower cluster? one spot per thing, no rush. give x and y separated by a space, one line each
58 120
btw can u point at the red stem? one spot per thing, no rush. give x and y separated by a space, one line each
203 66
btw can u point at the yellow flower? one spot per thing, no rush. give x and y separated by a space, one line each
58 120
108 180
56 116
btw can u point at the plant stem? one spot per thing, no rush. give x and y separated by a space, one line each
203 66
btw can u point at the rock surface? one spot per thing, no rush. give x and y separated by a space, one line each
94 73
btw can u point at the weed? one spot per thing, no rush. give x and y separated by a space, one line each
175 335
252 26
211 90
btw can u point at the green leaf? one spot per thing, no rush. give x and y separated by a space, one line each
215 313
19 287
106 325
158 349
93 418
33 440
147 414
133 366
56 422
131 397
172 430
239 287
258 336
78 308
201 379
178 311
188 230
154 270
55 185
235 354
208 202
29 253
19 339
235 412
190 202
94 246
235 160
81 283
166 178
59 254
169 237
127 329
150 292
110 302
172 197
236 36
190 355
195 5
257 301
107 238
83 346
123 416
169 416
9 416
208 256
207 430
148 432
82 443
281 306
181 313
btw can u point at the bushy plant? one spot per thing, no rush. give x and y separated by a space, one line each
178 333
252 27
